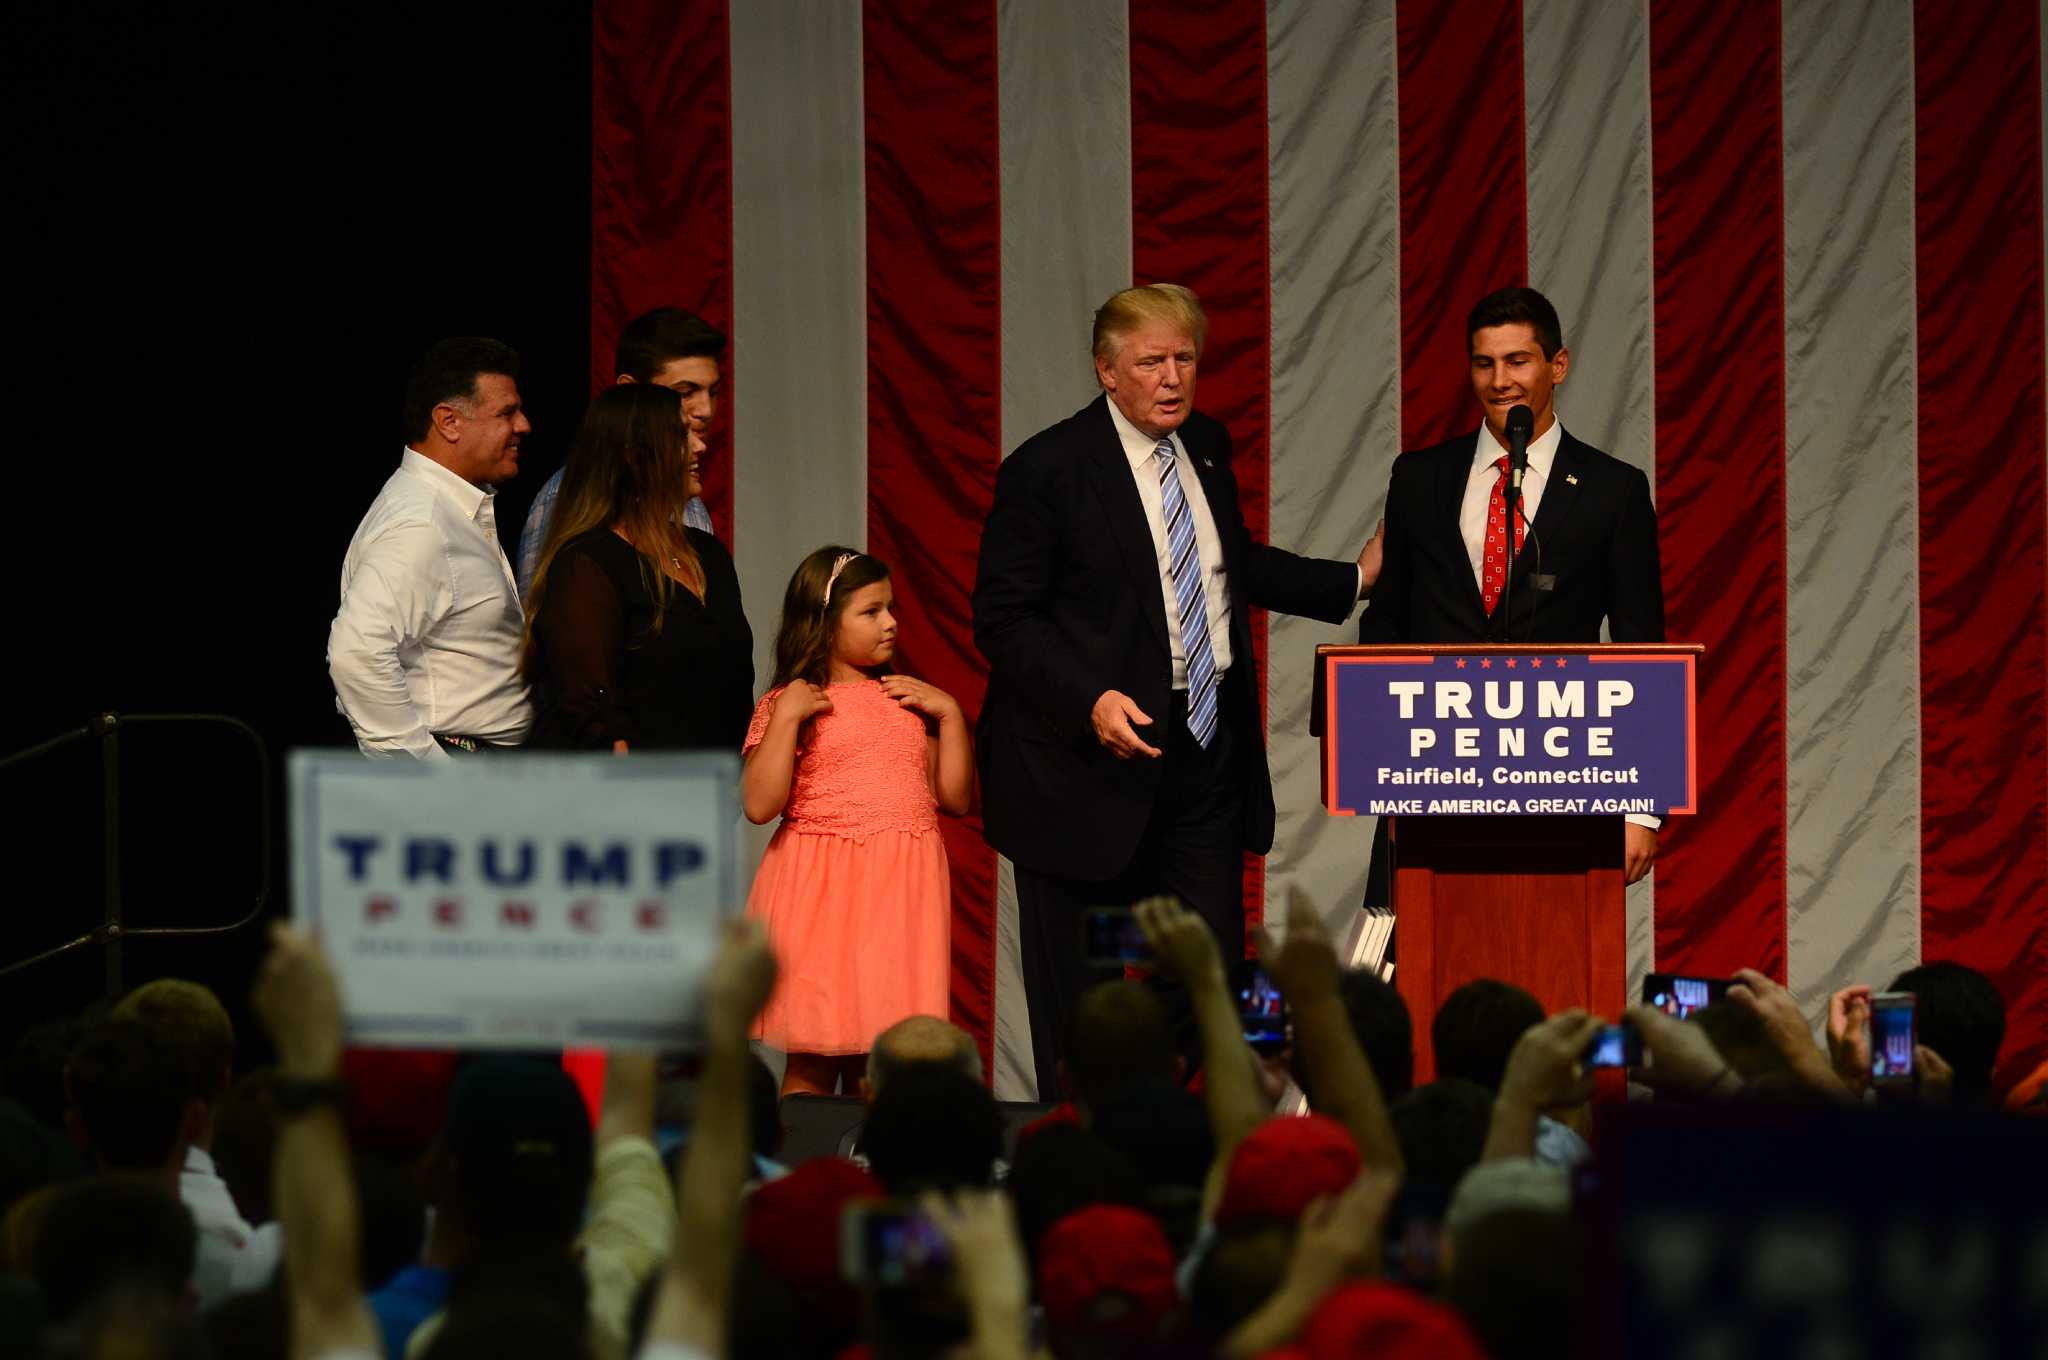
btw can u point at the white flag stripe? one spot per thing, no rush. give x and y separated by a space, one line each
800 298
1334 205
1852 523
1586 111
1063 77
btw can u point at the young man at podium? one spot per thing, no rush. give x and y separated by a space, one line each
1585 545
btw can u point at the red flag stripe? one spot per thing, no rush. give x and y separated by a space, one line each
1716 106
1984 805
934 402
661 188
1198 218
1464 195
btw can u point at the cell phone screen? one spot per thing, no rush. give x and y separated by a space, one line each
1891 1037
902 1250
1615 1046
1110 936
1681 996
1263 1012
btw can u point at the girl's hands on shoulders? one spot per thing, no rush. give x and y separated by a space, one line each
800 702
915 694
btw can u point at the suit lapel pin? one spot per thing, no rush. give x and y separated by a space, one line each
1571 479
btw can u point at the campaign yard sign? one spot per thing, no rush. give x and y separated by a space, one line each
518 900
1560 733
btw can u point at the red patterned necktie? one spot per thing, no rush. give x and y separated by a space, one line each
1494 577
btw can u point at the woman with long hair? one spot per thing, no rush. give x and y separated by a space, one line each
635 638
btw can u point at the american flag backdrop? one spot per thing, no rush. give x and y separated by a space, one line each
1798 252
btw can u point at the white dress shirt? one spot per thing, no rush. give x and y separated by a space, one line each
234 1258
428 636
1487 451
1472 516
1215 581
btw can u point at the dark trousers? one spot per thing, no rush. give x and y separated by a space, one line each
1191 847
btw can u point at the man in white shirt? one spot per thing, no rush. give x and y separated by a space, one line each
425 650
234 1256
1589 526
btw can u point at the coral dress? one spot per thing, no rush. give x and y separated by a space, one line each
854 887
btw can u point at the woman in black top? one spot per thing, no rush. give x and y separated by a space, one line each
635 639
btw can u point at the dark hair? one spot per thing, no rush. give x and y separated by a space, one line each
1239 1272
1379 1017
130 1086
1063 1168
511 1324
1476 1028
448 372
1442 1130
112 1232
35 1068
932 1128
1119 1034
1960 1015
1162 1127
803 642
1524 306
662 336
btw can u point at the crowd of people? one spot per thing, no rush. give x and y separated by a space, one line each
343 1204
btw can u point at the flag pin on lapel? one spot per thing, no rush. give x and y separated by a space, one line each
1571 478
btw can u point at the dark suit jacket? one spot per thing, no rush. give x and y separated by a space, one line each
1068 603
1594 543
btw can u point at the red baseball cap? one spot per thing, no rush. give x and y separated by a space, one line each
793 1221
1100 1250
1380 1319
1284 1165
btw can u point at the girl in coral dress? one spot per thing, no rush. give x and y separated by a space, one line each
857 761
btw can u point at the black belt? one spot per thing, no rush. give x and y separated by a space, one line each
468 746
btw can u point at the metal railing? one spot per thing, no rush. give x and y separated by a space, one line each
114 932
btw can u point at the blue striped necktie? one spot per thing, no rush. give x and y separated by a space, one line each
1194 605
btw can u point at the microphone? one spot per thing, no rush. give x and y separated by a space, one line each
1521 424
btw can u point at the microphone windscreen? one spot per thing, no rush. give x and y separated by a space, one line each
1521 420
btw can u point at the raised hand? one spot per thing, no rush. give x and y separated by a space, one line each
1682 1058
920 697
988 1259
1543 1070
742 974
1116 718
1849 1035
299 1003
800 702
1304 961
1181 941
1786 1026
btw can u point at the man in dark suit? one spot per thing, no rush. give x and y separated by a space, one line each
1586 546
1121 748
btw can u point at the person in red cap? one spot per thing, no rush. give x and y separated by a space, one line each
1105 1279
1387 1322
792 1239
1285 1165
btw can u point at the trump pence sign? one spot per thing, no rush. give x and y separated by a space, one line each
1567 732
517 901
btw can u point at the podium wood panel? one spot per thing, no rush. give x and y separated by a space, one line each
1535 901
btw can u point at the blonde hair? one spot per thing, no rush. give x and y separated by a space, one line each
192 1020
1133 307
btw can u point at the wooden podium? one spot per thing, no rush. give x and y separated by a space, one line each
1532 899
